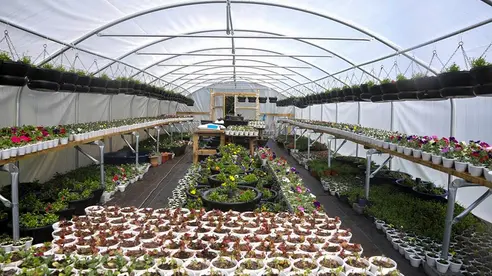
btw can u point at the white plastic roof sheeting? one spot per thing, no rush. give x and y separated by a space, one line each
390 25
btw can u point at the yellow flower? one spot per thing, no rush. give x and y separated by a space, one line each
217 168
232 178
223 184
193 192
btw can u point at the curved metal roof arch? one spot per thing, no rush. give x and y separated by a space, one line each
377 37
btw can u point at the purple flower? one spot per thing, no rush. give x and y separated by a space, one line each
300 208
445 150
452 139
317 204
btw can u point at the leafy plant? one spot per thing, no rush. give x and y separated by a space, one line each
400 77
32 220
48 66
418 75
26 60
385 81
104 76
370 83
477 62
60 68
4 56
453 68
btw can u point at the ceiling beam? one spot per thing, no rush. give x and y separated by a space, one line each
230 55
240 66
282 37
239 74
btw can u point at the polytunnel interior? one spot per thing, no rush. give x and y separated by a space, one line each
372 103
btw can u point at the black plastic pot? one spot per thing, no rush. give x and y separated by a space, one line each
430 95
13 73
44 79
482 75
98 85
483 90
39 234
406 85
80 205
441 198
262 99
365 96
376 98
427 83
390 97
248 184
364 89
213 182
65 214
347 92
408 95
375 90
272 99
456 84
272 198
402 187
198 188
68 82
82 84
137 88
251 99
356 91
96 196
239 207
125 157
381 178
123 86
389 88
113 87
241 99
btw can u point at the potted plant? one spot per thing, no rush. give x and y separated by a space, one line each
98 85
442 265
68 79
38 226
388 87
83 81
456 83
154 159
272 99
77 200
13 72
427 190
44 78
405 85
262 99
482 76
241 99
251 99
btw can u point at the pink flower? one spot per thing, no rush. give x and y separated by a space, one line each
15 139
299 190
300 208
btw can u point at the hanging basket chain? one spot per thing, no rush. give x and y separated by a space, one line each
77 58
465 56
451 57
434 55
44 53
10 45
486 50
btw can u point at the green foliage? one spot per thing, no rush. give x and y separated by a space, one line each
4 56
453 68
32 220
60 68
400 77
385 81
477 62
81 73
423 217
249 178
370 83
418 75
48 66
355 86
104 76
26 60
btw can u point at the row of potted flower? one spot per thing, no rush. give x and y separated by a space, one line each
474 157
196 241
241 131
257 124
19 141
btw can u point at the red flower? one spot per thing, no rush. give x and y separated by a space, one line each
25 138
115 178
15 139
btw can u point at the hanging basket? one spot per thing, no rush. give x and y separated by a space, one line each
408 95
13 73
456 84
262 99
483 90
347 92
272 99
44 79
482 75
82 84
427 83
406 85
241 99
98 85
68 82
251 99
430 95
375 90
390 97
376 98
389 88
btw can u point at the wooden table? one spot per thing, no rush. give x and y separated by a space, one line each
205 133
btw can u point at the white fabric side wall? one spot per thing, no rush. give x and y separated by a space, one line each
49 108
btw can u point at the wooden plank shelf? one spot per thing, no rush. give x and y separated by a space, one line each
85 141
451 171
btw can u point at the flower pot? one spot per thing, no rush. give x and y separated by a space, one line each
354 269
39 234
442 266
6 154
407 151
417 153
224 271
400 149
455 265
448 162
426 156
436 159
64 140
225 206
13 73
80 205
415 260
272 99
486 173
482 75
44 79
192 272
460 166
381 269
475 170
392 146
431 260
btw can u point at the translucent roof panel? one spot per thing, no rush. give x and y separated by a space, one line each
74 33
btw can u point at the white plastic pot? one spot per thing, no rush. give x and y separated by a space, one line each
443 268
436 159
487 174
475 170
417 153
455 265
460 166
431 261
447 162
64 140
407 150
426 156
415 260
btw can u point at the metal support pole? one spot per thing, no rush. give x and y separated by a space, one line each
137 136
472 206
87 155
381 166
369 154
309 147
295 138
100 143
127 143
110 118
150 135
14 180
329 151
341 145
181 128
158 128
171 130
285 132
392 127
358 123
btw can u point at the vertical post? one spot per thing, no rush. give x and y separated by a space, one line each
448 224
452 133
285 125
77 99
295 137
368 172
14 180
110 118
235 103
309 146
171 131
101 162
358 122
392 127
158 128
181 128
329 152
137 136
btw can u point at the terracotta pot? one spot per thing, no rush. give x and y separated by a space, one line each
154 161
